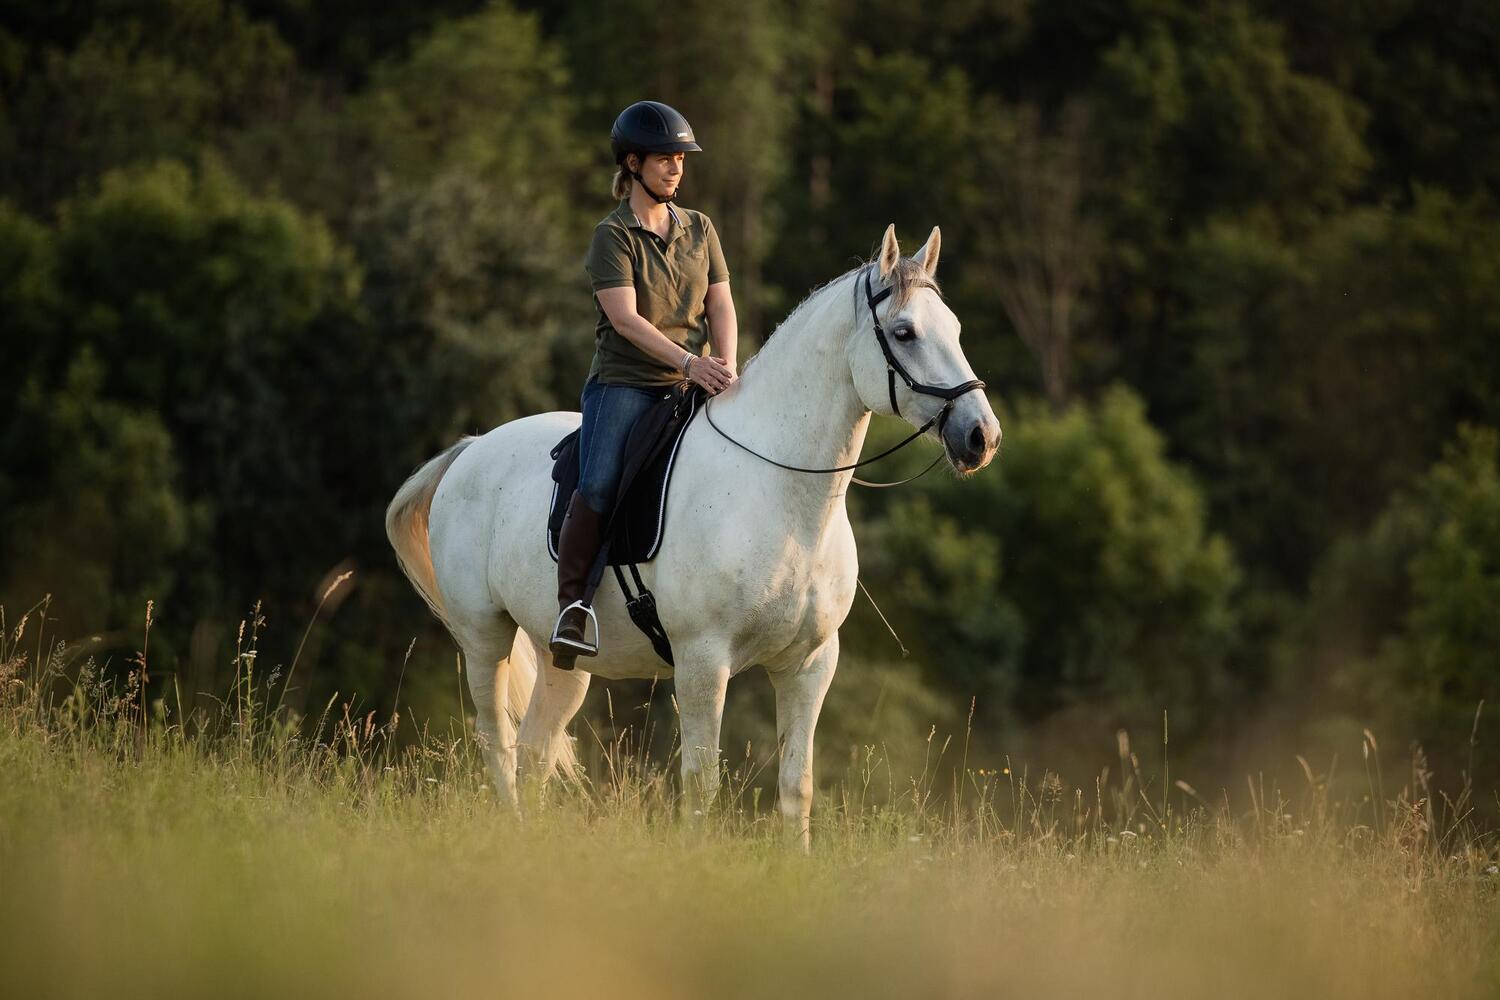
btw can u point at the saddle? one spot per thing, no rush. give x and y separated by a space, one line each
637 523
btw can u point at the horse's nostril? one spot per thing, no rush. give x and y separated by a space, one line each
976 439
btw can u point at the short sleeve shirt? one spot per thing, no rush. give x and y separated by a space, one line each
671 279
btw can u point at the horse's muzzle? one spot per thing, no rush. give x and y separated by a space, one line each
972 440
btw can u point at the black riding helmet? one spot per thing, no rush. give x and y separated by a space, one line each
651 127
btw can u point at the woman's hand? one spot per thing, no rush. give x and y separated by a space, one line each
712 373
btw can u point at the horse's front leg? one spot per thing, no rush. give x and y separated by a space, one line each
701 678
799 699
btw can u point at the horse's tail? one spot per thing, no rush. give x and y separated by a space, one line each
406 525
525 664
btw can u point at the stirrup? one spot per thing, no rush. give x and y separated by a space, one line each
575 647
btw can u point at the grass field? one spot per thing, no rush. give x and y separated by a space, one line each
234 856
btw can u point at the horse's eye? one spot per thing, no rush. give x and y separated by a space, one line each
903 331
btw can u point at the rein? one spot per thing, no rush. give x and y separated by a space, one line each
893 367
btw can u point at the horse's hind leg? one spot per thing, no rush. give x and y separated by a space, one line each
487 652
555 699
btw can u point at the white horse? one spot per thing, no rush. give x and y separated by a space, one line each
758 563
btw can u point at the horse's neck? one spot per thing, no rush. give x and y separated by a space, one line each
797 405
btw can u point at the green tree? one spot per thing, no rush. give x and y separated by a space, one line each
474 241
1200 120
1084 572
480 318
940 584
88 505
1428 76
145 81
341 41
1403 616
101 523
1325 374
485 93
29 302
211 339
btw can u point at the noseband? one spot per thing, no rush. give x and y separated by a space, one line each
894 367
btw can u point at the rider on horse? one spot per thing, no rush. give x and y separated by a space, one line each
661 288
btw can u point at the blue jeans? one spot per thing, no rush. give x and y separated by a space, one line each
609 412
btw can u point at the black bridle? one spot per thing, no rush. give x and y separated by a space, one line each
894 367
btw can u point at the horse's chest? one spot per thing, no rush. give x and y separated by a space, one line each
795 592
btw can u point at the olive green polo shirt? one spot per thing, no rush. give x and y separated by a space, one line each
671 279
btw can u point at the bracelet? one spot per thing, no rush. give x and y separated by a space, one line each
687 364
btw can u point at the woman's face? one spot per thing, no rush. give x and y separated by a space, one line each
663 171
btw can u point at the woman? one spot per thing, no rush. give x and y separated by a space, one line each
662 291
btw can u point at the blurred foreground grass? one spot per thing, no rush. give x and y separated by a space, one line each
237 856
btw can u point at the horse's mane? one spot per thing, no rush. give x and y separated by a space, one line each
905 278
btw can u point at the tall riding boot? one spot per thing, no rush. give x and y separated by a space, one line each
578 545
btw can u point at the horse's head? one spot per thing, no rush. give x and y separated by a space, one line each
921 362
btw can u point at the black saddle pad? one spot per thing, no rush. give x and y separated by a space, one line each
640 509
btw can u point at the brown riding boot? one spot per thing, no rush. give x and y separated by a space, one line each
577 546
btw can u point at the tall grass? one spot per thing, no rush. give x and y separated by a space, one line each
151 848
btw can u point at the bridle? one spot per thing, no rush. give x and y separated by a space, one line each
893 367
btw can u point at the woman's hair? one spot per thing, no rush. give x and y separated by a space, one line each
621 184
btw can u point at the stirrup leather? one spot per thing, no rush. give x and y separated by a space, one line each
569 645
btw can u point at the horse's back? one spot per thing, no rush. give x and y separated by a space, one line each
511 453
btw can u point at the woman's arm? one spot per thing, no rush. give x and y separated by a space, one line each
723 326
619 305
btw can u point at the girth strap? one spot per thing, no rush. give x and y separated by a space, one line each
642 608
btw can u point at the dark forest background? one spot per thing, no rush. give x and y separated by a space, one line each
1231 270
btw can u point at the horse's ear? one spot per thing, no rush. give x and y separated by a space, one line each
928 255
889 251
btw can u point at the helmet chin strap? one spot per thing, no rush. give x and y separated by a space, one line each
647 188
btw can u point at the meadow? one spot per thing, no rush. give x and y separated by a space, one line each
151 848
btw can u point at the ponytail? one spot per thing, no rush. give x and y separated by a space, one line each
620 187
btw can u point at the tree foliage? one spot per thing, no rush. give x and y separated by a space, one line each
1083 570
258 258
1402 617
